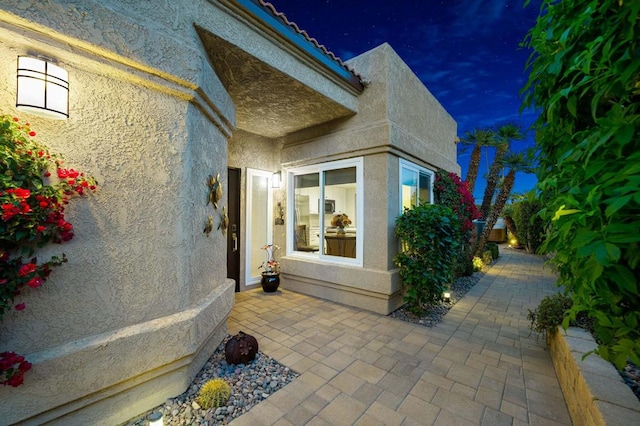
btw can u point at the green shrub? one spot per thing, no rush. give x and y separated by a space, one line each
584 80
450 191
493 248
430 238
529 224
549 314
487 257
478 264
463 266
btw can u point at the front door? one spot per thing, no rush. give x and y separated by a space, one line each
233 233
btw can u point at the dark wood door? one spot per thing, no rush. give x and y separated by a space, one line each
233 233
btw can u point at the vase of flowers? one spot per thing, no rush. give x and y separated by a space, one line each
271 275
340 221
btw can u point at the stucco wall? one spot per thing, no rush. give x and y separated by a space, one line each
418 125
143 300
397 118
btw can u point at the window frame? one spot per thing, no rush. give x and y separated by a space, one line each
320 168
406 164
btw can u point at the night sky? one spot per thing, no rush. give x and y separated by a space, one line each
466 52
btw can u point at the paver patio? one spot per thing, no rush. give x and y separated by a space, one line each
479 366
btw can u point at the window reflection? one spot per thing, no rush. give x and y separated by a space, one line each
306 213
341 223
326 211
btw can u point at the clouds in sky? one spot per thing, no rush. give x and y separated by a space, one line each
466 52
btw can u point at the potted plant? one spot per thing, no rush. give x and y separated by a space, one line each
271 274
340 221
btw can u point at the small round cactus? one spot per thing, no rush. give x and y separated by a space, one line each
214 393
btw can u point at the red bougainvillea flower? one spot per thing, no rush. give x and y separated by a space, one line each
26 269
35 282
24 366
31 212
66 235
20 192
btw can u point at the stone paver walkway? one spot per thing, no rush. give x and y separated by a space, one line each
480 366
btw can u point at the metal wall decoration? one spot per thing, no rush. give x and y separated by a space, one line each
224 221
209 226
215 190
214 195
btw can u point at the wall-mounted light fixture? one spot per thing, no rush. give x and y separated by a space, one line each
275 179
43 88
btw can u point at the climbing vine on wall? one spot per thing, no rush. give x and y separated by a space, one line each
32 205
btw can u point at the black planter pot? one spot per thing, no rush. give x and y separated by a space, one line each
270 282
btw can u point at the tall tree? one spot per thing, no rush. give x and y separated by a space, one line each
516 163
479 138
502 141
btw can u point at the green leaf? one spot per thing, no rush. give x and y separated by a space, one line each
624 279
592 269
617 204
583 237
625 133
572 106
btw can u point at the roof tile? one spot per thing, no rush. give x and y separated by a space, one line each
271 8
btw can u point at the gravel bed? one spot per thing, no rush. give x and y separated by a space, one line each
250 384
434 313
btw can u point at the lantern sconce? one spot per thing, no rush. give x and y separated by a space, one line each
43 88
275 179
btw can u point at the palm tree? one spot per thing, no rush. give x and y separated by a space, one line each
516 163
503 137
479 138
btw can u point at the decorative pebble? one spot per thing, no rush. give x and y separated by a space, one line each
250 384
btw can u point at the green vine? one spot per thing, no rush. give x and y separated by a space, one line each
430 236
585 81
31 216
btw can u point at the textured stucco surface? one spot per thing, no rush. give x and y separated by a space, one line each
248 150
143 300
269 102
397 118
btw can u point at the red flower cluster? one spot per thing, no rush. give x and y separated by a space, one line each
18 196
31 215
452 192
12 368
75 180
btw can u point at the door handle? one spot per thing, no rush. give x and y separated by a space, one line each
234 236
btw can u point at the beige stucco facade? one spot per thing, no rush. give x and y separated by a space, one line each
162 95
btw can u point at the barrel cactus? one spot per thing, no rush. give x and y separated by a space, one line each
214 393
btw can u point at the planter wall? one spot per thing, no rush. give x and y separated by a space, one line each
593 390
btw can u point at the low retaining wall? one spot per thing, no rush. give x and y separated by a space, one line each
593 390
